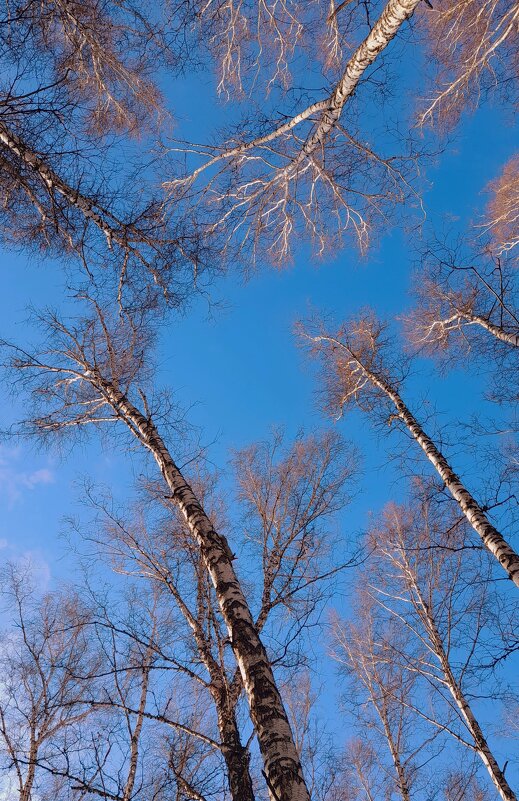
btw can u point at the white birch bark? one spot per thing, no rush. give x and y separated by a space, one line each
496 330
395 13
385 29
403 784
480 744
436 330
490 536
107 223
225 697
281 761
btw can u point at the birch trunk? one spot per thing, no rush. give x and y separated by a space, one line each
480 743
496 330
107 224
395 13
385 29
225 699
403 784
136 734
237 759
26 790
490 536
281 761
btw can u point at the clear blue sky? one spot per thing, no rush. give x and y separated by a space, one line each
240 369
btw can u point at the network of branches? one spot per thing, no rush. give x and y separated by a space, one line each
227 632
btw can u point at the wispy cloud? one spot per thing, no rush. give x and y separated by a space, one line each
15 476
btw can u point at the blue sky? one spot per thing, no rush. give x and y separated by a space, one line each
253 376
238 368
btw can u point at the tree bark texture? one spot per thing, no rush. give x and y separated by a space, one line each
281 761
490 536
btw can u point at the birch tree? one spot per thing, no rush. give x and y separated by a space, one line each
465 302
80 82
161 552
90 377
315 740
289 495
306 172
79 721
97 76
465 315
422 578
314 168
43 658
385 719
357 371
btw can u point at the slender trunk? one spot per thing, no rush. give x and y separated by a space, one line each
496 330
403 784
26 791
112 228
136 734
237 758
385 29
490 536
281 761
225 700
461 702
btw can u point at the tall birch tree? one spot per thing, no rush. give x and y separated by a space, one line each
422 578
91 377
356 371
288 494
384 720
